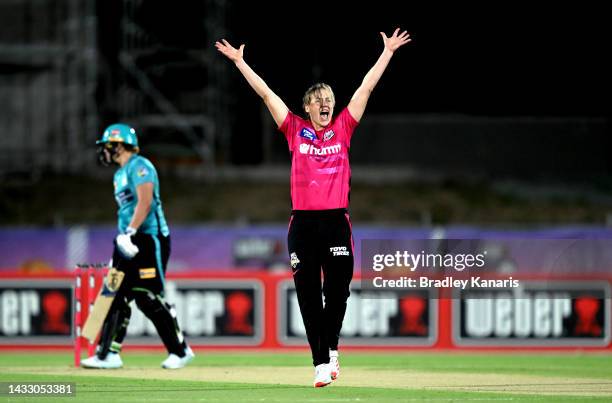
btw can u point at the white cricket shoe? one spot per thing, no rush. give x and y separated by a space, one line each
189 353
334 364
322 375
175 362
112 361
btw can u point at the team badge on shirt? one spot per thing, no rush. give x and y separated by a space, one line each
328 135
309 134
142 172
294 260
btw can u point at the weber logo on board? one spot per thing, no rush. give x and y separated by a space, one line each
406 320
541 313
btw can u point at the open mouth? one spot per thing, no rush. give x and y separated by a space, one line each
324 114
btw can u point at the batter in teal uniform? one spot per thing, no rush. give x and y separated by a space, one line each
141 251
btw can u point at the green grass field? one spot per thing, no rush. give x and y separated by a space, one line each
287 377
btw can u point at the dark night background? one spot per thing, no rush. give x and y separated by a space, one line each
494 112
511 59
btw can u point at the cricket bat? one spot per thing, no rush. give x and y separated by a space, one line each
102 305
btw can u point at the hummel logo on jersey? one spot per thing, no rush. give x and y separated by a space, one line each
339 251
312 150
309 134
328 135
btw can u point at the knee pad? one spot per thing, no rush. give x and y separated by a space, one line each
148 303
171 308
161 313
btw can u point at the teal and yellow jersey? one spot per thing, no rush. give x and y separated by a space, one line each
137 171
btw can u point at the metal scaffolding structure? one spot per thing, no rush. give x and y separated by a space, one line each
172 89
56 83
48 70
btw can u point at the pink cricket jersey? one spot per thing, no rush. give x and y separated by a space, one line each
320 170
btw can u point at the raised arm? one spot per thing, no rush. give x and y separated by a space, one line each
275 105
360 98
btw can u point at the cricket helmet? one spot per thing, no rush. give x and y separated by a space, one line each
120 133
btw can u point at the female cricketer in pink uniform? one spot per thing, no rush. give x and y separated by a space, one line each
320 235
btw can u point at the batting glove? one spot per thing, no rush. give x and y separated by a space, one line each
125 245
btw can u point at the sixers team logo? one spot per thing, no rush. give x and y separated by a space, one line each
328 135
309 134
294 260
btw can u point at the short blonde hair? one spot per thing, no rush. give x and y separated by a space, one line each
316 89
